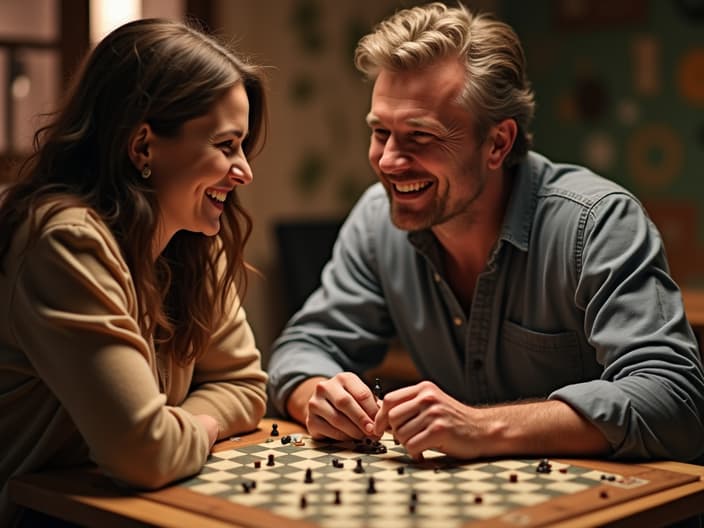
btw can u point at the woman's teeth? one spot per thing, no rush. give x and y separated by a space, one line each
220 196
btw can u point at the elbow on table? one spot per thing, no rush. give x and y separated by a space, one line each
148 472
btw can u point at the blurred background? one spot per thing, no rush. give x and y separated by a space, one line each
619 86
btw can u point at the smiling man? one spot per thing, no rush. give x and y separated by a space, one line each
533 297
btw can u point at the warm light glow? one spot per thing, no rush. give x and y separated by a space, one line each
21 86
106 15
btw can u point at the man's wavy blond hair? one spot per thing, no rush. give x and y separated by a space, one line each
496 86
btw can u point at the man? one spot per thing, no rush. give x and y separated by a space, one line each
534 297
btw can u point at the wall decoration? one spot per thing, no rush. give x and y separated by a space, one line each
566 108
628 111
690 76
655 153
649 58
599 150
310 172
677 223
306 22
597 14
591 97
302 89
646 53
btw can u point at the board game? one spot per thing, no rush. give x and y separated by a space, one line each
296 481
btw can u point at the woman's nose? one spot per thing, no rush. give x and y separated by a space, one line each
241 173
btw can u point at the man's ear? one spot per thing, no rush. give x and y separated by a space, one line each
501 139
138 146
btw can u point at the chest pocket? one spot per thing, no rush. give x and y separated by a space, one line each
533 364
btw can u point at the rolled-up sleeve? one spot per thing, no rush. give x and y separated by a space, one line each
649 401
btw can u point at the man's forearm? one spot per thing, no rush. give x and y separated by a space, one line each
297 402
545 427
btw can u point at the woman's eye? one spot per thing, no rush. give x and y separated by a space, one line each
226 146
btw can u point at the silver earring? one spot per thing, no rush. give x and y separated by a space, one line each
146 172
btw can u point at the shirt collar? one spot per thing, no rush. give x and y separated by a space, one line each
520 212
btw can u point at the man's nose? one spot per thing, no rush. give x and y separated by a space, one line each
393 159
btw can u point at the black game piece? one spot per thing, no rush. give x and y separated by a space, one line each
253 484
337 497
544 466
270 460
274 430
358 468
336 462
304 502
309 476
245 487
370 447
478 499
413 502
377 390
285 439
513 477
400 470
257 464
371 488
604 494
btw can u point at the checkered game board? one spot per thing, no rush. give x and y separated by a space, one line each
437 492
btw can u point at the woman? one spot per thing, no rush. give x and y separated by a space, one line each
122 338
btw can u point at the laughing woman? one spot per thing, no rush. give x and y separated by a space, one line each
122 337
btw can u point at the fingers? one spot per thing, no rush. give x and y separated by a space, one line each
342 407
391 401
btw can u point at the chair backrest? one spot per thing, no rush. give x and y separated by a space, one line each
304 247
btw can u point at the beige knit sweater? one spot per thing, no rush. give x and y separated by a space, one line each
79 382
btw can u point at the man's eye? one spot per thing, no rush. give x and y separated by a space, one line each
380 133
422 137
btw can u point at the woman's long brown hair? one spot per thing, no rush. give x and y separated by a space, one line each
163 73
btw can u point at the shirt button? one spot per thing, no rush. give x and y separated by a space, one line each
477 363
457 321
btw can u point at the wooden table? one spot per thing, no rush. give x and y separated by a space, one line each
86 497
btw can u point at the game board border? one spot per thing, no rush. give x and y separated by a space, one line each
555 510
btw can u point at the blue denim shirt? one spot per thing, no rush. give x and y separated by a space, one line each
575 303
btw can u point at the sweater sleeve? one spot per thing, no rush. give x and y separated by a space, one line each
74 315
228 381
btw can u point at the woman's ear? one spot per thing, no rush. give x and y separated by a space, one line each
502 136
138 146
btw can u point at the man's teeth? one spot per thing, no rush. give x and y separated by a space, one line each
410 187
216 195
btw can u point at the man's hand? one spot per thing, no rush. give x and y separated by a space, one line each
424 417
341 408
